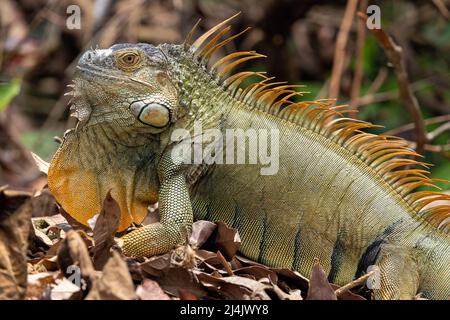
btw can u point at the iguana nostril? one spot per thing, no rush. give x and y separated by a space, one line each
87 57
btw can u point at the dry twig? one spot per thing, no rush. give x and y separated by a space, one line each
443 149
358 75
438 131
442 8
225 263
395 55
341 44
378 81
410 126
372 97
354 283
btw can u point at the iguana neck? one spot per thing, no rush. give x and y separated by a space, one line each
201 100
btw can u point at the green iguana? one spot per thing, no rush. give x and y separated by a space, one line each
340 194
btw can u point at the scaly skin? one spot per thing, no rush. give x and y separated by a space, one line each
327 200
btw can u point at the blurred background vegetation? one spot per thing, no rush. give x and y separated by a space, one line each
38 54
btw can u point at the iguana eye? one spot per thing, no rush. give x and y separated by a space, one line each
128 61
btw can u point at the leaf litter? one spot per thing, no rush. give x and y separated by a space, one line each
66 261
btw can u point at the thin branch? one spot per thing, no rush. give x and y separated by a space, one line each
442 149
340 291
410 126
372 97
442 8
395 55
341 44
376 97
224 263
379 80
358 75
438 131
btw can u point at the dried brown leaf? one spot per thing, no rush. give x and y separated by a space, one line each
233 291
44 204
186 295
280 293
285 276
256 287
39 285
65 290
157 265
203 255
257 272
115 282
134 268
47 230
223 290
72 222
224 239
234 287
201 231
205 266
40 163
15 213
292 295
292 278
150 290
49 263
104 231
177 278
73 254
319 287
53 250
225 263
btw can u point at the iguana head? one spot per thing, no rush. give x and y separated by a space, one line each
125 81
123 99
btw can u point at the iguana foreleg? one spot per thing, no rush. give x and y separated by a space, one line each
175 215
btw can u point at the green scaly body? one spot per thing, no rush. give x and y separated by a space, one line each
324 202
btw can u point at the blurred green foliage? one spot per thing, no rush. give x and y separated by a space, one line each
8 91
41 142
417 25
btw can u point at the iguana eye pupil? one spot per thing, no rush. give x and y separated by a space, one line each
130 58
128 61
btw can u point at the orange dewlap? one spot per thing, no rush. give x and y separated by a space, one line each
81 193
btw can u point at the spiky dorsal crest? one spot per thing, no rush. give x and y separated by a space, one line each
390 157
